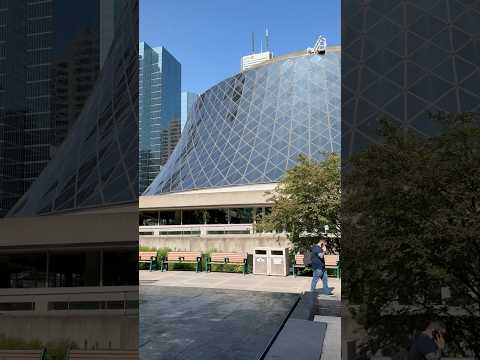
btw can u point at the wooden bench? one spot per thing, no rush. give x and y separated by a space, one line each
183 257
102 355
149 257
298 263
226 258
22 354
331 262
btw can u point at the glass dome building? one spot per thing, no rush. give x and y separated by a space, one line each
252 127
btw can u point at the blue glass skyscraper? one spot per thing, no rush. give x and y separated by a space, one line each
159 110
188 98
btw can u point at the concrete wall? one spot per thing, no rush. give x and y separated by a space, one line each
352 332
243 195
116 225
231 243
101 332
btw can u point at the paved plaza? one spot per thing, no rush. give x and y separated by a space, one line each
205 324
188 315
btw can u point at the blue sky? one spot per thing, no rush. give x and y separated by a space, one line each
209 37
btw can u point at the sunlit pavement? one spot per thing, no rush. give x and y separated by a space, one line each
191 323
236 281
214 315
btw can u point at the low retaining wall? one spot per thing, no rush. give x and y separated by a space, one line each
88 332
219 243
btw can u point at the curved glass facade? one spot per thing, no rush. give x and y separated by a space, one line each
403 60
91 169
250 128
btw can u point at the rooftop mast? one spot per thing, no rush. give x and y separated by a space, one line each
266 38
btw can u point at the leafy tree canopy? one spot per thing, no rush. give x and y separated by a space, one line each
411 232
306 199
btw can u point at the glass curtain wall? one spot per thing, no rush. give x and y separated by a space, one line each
202 216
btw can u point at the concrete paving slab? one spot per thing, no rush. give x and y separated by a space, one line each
299 340
203 324
333 338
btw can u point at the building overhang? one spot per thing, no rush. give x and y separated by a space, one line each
228 196
117 226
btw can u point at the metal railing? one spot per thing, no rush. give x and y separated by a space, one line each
197 230
62 301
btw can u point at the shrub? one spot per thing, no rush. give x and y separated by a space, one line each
162 252
56 349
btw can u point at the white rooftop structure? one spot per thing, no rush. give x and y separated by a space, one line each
249 61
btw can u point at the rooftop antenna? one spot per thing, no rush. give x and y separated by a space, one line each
253 42
266 38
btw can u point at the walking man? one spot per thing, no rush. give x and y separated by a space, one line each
430 343
318 267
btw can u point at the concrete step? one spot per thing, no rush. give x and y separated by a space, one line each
299 340
327 307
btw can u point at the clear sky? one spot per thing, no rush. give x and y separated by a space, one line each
209 37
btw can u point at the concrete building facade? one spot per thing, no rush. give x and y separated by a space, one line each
242 135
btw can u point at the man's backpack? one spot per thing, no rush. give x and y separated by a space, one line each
307 258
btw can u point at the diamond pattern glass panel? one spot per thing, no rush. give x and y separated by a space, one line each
251 128
97 165
402 59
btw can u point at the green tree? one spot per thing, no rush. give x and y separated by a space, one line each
306 199
411 225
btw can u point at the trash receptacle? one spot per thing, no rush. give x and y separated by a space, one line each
278 262
260 261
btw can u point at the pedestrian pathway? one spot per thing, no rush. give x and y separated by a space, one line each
235 281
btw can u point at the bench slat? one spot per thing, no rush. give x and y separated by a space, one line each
232 257
146 255
331 260
299 259
186 255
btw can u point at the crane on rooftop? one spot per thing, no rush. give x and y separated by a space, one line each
320 46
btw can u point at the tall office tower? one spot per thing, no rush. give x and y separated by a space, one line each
62 67
110 18
188 98
48 69
12 100
73 77
159 110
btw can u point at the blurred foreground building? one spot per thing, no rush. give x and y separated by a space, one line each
402 60
68 246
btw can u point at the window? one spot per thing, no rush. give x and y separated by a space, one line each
241 216
193 217
148 218
23 270
68 269
170 217
120 267
217 216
